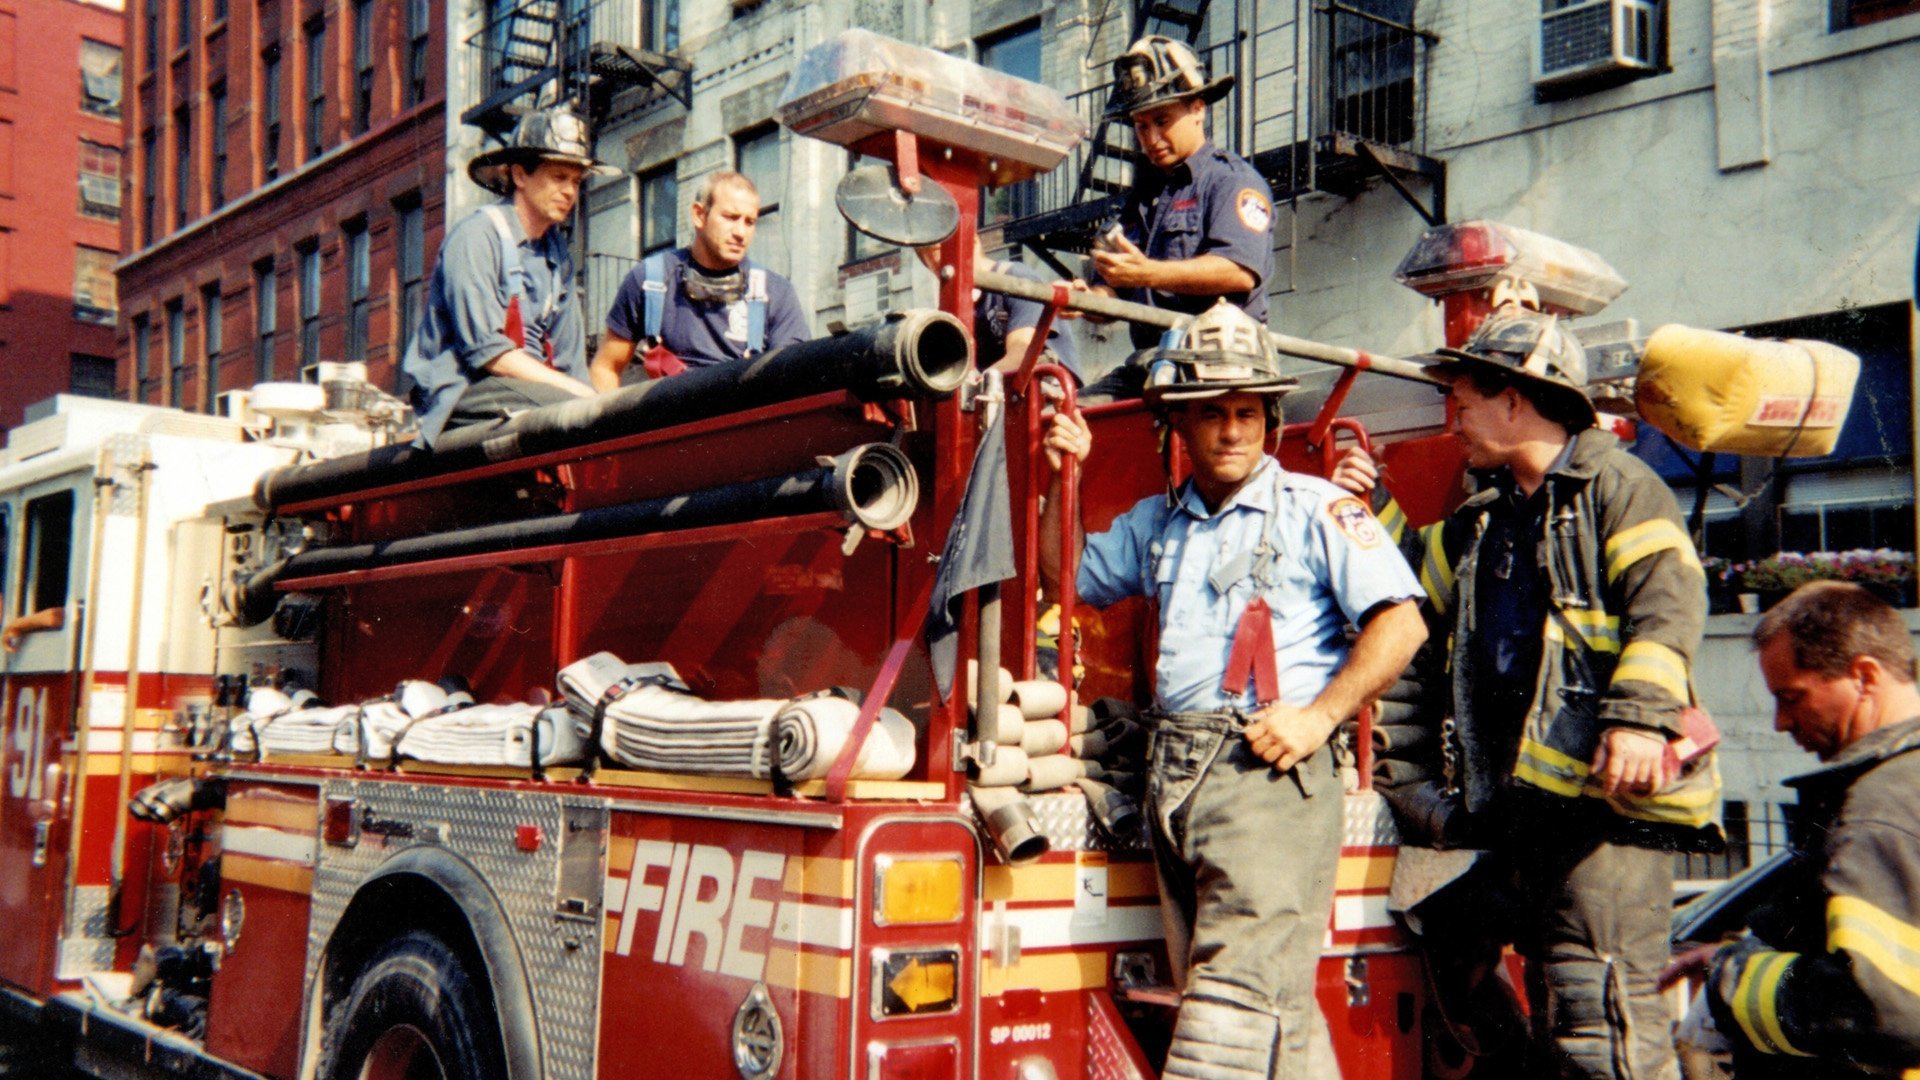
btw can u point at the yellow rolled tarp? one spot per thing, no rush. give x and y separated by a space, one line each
1730 394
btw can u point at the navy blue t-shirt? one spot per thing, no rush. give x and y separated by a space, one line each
699 332
995 315
1213 203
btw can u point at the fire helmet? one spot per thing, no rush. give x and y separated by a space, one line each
1156 70
553 134
1223 350
1535 349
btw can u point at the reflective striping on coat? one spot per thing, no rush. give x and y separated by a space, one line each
1881 939
1394 520
1652 662
1436 570
1630 545
1756 1005
1599 630
1563 774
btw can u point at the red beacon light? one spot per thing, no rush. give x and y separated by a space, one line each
1461 263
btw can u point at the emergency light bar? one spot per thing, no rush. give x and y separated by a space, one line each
1450 259
859 84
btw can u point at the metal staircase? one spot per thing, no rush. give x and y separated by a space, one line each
535 52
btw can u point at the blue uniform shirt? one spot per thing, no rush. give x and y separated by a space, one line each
1213 203
1326 564
995 315
464 325
703 333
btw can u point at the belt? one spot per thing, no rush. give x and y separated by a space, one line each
1218 721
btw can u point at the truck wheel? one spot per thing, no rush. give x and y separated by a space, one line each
414 1014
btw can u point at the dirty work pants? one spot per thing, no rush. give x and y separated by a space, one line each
1246 858
496 397
1586 897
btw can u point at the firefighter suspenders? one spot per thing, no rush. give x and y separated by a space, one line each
1252 651
514 275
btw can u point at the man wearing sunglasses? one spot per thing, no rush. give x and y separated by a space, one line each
706 303
1257 574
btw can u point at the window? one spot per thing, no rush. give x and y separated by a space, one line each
760 155
49 549
219 11
217 146
412 259
659 210
90 376
149 184
94 298
176 353
270 113
419 29
362 65
1370 69
183 30
100 79
358 286
1847 14
142 356
182 166
308 255
266 318
99 180
316 34
1015 52
153 34
859 245
660 25
213 336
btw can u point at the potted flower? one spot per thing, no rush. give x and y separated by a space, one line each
1886 572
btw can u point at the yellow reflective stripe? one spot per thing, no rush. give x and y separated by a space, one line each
1394 520
1553 770
1629 546
1600 630
1755 1002
1436 573
1652 662
1544 767
1886 942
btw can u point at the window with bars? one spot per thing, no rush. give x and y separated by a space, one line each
90 376
176 354
359 282
100 78
659 210
760 155
266 318
99 180
95 296
412 260
182 166
362 65
213 341
419 32
217 146
270 113
308 257
316 86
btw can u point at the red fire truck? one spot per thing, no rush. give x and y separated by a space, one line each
770 530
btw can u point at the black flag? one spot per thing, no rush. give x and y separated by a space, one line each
979 551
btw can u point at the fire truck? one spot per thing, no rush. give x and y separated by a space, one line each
196 884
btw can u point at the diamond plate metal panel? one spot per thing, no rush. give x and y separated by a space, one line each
562 954
1068 825
88 948
1369 821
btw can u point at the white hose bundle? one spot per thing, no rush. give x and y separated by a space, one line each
812 731
652 721
297 731
495 735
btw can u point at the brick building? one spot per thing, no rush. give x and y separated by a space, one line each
60 165
285 189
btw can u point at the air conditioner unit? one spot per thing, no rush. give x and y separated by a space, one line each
1582 39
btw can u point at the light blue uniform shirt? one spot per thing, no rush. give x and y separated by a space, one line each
1313 550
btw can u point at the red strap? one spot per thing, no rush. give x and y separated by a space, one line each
1253 655
516 328
661 362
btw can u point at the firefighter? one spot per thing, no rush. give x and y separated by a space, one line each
1257 573
1573 601
501 332
1827 985
703 304
1198 224
1003 325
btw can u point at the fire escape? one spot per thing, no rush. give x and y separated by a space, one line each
538 52
1327 98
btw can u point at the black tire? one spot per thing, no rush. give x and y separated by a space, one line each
415 1013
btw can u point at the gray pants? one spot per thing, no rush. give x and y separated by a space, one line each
496 397
1246 857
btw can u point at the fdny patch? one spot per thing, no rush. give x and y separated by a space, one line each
1356 521
1255 211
